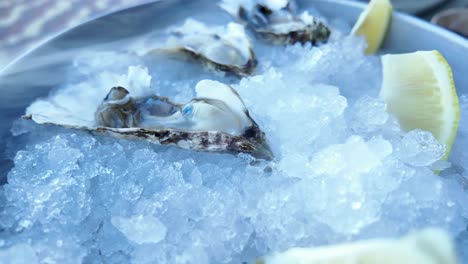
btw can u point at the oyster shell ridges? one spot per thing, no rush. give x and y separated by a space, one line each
219 48
119 115
277 22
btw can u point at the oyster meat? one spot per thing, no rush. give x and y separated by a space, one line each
221 48
277 21
215 121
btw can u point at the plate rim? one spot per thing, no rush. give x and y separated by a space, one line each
442 32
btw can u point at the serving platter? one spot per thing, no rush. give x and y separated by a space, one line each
37 71
120 177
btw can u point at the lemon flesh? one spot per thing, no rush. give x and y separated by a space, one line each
373 24
419 90
430 246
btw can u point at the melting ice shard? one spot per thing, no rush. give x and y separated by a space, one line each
215 121
277 21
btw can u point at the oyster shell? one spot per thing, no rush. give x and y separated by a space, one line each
277 21
222 48
215 121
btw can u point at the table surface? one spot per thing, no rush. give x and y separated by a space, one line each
24 23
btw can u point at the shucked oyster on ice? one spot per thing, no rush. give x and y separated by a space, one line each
277 21
215 121
224 48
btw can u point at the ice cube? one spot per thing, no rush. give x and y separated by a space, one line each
367 114
141 229
420 148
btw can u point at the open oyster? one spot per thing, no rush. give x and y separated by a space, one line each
226 49
215 121
277 21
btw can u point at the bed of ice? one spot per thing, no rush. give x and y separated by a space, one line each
343 171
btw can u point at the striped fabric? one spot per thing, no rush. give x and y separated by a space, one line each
25 22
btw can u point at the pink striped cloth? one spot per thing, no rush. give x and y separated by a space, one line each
25 22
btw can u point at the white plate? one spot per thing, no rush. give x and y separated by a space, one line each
415 6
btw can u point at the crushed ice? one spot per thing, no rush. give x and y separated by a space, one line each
344 171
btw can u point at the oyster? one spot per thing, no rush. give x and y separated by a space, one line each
226 49
277 21
215 121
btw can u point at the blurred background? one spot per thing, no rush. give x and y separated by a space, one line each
24 23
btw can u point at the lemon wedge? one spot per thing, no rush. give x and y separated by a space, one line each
430 246
419 90
373 24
